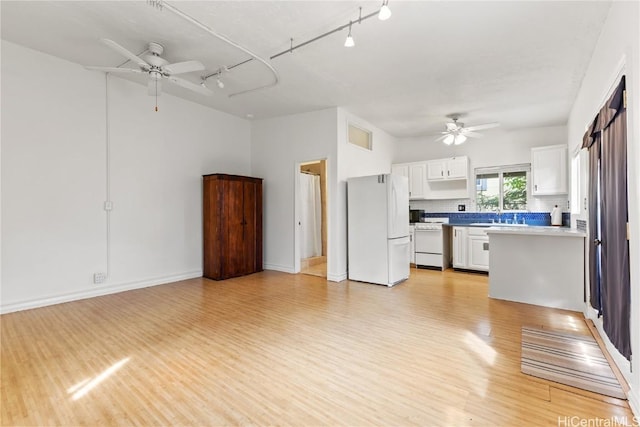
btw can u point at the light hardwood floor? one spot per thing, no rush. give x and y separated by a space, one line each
280 349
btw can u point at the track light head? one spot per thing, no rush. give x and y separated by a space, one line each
349 42
385 12
220 83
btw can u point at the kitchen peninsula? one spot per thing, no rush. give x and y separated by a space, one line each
537 265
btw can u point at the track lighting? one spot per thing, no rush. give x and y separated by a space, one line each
220 83
349 41
385 12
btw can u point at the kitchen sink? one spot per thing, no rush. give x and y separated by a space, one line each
498 224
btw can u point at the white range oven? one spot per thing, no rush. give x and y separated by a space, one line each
430 243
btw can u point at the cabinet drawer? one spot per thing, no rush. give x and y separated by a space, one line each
476 231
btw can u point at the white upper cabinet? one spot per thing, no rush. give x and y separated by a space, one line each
458 168
436 169
447 169
401 169
549 170
416 173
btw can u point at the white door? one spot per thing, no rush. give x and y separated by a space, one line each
417 180
412 245
457 168
460 247
549 170
429 241
436 170
478 253
398 260
397 206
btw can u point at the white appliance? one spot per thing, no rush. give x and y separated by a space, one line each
429 243
378 221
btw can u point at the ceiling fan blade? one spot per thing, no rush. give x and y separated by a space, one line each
124 52
465 132
113 69
485 126
154 87
191 86
441 138
183 67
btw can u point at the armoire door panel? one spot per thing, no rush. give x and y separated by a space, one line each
233 230
249 213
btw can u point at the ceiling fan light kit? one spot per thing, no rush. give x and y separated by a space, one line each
456 133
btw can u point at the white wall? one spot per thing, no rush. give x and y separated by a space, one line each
277 146
497 147
54 180
619 43
356 161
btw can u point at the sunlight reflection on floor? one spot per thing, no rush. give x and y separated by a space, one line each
87 385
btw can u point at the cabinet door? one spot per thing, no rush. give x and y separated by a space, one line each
458 168
478 253
460 247
402 169
412 245
233 246
417 181
549 170
436 170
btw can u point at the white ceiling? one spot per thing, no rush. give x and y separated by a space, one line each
519 63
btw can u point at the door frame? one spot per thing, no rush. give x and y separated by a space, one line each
297 209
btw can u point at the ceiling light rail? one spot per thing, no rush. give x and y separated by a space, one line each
380 13
163 5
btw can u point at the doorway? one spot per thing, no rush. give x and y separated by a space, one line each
313 218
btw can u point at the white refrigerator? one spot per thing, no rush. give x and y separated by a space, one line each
378 229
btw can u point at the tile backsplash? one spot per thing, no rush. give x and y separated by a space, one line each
536 204
529 218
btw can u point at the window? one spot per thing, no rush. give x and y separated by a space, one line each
359 136
503 188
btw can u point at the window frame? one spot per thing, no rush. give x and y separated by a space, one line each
501 170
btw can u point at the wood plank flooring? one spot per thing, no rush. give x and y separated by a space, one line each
280 349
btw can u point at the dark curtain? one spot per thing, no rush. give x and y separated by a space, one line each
616 286
591 141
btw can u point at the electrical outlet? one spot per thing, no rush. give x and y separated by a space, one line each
108 206
99 278
462 208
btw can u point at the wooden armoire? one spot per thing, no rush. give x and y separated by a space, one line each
232 225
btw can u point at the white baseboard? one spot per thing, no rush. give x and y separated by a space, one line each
336 277
96 292
276 267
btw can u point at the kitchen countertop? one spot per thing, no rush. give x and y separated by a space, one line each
537 231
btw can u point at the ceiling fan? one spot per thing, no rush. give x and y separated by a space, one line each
457 133
157 68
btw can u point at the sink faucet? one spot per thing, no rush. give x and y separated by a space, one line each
515 218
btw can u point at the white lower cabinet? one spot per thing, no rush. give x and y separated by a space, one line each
478 249
460 247
412 244
470 248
